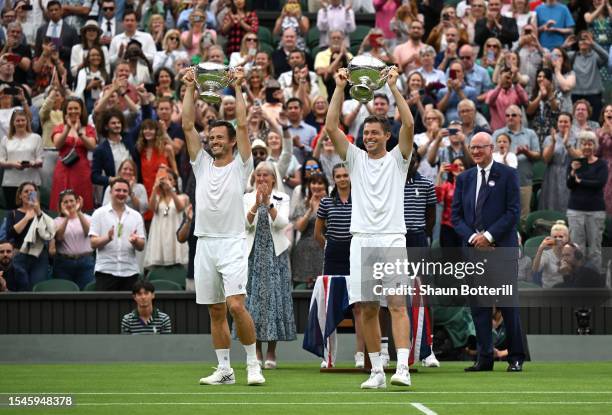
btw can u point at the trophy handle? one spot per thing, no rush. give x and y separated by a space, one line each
385 74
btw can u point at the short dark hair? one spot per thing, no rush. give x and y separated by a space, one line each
6 241
106 117
128 12
53 3
383 121
119 180
165 99
142 285
231 131
383 96
293 99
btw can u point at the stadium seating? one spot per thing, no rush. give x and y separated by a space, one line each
265 35
548 216
176 274
312 39
163 285
55 285
531 245
90 287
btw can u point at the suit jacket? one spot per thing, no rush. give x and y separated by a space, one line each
103 161
508 33
502 205
68 36
118 24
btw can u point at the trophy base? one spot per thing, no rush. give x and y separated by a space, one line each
210 97
361 93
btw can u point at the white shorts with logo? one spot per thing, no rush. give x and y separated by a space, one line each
220 269
360 286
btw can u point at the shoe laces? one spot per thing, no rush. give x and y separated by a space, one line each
402 370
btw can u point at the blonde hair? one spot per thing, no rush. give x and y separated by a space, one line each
559 226
167 36
438 114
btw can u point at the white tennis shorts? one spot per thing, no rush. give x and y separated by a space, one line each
220 269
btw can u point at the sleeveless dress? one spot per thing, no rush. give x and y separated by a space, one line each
149 169
162 248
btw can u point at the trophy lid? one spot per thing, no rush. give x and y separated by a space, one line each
211 66
365 61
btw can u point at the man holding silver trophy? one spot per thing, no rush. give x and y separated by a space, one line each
377 218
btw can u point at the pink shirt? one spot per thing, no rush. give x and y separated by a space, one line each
76 241
385 11
403 52
499 100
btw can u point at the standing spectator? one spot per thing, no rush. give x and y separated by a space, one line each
505 94
301 87
182 23
490 54
297 58
90 37
145 319
419 99
21 156
419 206
599 23
269 287
445 190
548 257
137 197
116 233
172 51
558 150
335 17
544 106
554 23
118 45
385 13
587 62
291 16
236 23
564 79
28 229
75 12
91 78
497 26
71 249
51 114
373 44
197 30
407 54
73 140
245 57
583 111
586 208
475 75
456 90
604 134
502 153
326 152
526 146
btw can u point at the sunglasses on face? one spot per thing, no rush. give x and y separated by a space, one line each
312 167
108 9
173 38
259 153
512 115
251 39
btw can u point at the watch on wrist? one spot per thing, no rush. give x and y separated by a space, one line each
285 127
271 206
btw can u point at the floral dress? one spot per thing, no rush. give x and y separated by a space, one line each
605 153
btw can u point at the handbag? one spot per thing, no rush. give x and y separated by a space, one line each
70 158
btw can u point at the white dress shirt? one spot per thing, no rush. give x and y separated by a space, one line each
51 28
145 39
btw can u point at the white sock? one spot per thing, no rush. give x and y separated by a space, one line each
376 361
251 353
402 357
384 345
223 356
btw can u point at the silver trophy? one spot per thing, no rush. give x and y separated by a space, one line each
366 75
210 78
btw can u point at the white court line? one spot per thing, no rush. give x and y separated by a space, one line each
207 391
423 408
336 403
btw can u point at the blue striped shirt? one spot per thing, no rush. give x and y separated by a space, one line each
419 193
338 218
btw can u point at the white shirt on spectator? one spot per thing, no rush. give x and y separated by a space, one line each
29 148
349 106
164 59
78 54
332 18
51 29
511 160
145 39
118 257
377 191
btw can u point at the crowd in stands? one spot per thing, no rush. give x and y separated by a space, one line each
91 108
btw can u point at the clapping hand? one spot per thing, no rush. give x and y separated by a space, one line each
133 238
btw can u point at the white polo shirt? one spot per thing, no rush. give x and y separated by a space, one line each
118 257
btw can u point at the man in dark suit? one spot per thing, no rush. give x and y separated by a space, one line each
110 22
495 25
486 210
61 34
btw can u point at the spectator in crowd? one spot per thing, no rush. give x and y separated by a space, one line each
281 156
255 89
564 79
582 112
90 37
291 16
554 22
544 105
301 87
520 11
326 152
140 65
576 271
505 94
245 57
490 54
297 58
307 255
116 233
197 30
71 249
172 51
547 260
456 89
329 60
470 15
145 319
471 120
280 57
437 35
380 108
301 132
75 12
73 139
419 98
496 25
167 204
91 78
586 179
21 156
456 146
236 23
502 153
587 62
407 54
445 190
512 60
318 112
399 27
559 149
419 206
119 44
475 75
29 23
7 270
434 120
208 52
29 229
137 196
430 73
110 21
185 234
182 22
385 14
274 102
335 17
14 46
526 146
531 54
373 44
51 114
604 135
453 43
269 289
227 112
163 80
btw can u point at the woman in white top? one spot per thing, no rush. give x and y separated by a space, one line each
248 49
21 153
301 88
172 51
519 10
502 153
91 78
90 37
546 262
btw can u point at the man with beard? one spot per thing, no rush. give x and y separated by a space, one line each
407 54
7 273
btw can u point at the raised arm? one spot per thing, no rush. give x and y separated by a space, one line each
188 120
332 120
406 133
242 137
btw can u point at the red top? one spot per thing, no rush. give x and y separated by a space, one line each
149 169
445 193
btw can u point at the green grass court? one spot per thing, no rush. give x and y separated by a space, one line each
543 388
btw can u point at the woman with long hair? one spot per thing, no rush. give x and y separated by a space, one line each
419 98
90 37
245 57
255 89
434 120
227 112
71 249
91 78
544 105
197 31
490 55
264 64
310 167
445 190
599 23
21 156
604 135
137 198
236 23
564 79
157 29
301 87
170 52
473 13
164 83
448 18
73 139
269 288
318 112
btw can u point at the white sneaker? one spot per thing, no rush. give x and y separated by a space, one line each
376 380
430 361
359 360
385 358
401 376
221 376
254 376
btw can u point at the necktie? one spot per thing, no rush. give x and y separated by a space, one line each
54 31
109 27
480 201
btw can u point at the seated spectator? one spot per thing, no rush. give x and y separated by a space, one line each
470 15
7 270
472 122
407 54
449 54
490 54
91 78
15 46
586 179
502 153
140 66
419 99
431 74
254 88
554 23
90 37
318 112
197 30
116 233
520 11
156 28
548 256
582 112
28 21
291 16
167 204
236 23
495 25
245 57
28 229
21 156
301 87
208 52
576 271
110 21
145 319
544 105
437 35
335 17
456 90
71 250
170 52
398 30
444 193
263 62
456 146
163 80
505 94
604 135
329 60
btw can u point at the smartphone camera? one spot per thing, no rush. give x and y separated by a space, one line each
32 197
453 131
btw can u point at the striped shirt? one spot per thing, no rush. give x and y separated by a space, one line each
338 218
159 323
419 193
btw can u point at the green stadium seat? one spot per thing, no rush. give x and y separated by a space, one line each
359 34
266 47
90 287
539 168
265 35
312 38
549 216
45 197
56 285
163 285
177 274
531 245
